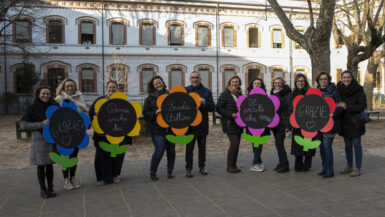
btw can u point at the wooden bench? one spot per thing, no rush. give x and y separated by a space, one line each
20 130
373 113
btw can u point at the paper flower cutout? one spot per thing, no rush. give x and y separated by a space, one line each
312 113
179 111
117 117
67 129
257 111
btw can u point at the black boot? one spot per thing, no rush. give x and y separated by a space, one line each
44 193
153 176
170 175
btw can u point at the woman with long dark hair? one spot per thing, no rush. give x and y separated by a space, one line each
34 119
155 88
257 165
303 159
227 107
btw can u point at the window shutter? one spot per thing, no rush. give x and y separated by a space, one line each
277 36
176 35
147 34
229 36
117 33
87 28
203 36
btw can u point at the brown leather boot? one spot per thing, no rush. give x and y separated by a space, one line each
189 174
356 172
203 172
347 170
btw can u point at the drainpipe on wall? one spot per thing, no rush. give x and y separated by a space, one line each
103 75
5 63
291 55
217 47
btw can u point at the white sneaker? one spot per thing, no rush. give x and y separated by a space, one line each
75 183
255 168
100 183
116 180
261 167
68 185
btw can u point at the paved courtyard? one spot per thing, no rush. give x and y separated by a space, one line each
218 194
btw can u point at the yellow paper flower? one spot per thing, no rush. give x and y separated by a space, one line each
117 118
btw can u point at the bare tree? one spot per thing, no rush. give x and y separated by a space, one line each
316 39
371 76
359 24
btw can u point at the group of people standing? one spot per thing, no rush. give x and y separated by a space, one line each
350 102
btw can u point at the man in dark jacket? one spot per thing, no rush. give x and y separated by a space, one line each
202 130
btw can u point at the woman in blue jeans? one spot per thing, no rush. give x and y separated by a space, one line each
353 125
328 89
258 165
155 88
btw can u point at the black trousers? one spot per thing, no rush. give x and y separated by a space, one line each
279 136
107 167
302 162
71 172
45 172
232 153
189 157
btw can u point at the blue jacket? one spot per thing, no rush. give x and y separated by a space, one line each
332 92
203 128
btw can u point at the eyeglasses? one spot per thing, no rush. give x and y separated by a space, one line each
323 79
301 81
194 77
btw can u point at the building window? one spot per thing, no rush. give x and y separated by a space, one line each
229 36
118 73
87 81
87 32
378 78
147 33
55 32
359 76
22 31
228 73
176 77
21 73
206 74
54 77
146 75
117 33
175 34
278 72
203 36
253 37
277 39
300 71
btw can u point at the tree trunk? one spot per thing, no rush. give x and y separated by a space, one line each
352 64
370 81
320 58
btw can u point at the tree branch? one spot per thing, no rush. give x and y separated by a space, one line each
311 13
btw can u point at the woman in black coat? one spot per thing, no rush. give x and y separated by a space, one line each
107 168
353 125
257 165
227 108
303 159
283 92
155 88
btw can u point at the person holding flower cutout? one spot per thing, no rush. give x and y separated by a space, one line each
155 88
107 168
68 90
303 159
34 119
257 165
227 108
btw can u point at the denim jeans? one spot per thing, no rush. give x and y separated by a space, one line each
326 151
349 143
201 152
257 154
161 144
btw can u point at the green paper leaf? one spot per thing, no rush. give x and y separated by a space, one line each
114 149
180 139
257 140
64 161
307 143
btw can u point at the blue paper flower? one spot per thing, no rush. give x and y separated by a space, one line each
85 121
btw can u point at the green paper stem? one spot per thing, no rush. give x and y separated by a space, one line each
307 143
114 149
64 161
180 139
257 140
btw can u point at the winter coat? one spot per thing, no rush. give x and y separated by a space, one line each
297 149
203 128
226 106
102 137
332 92
77 98
149 113
284 97
354 97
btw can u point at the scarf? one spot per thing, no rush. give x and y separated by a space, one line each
36 111
237 92
76 98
